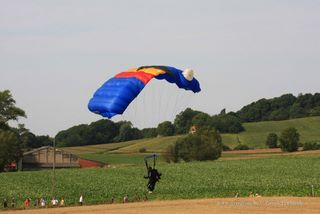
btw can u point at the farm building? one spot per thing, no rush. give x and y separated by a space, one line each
193 129
43 158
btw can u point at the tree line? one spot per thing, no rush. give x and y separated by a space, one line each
284 107
107 131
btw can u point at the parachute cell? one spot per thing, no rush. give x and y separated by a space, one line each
114 96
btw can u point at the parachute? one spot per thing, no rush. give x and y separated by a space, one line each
115 95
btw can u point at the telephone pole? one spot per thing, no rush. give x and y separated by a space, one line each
53 169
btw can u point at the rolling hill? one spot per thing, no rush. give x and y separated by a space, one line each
254 136
256 133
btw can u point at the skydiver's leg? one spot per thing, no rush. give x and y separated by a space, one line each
152 185
149 185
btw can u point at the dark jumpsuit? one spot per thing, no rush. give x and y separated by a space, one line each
153 176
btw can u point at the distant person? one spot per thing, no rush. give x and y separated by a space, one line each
62 203
27 203
5 204
54 202
13 203
37 202
236 195
126 199
42 202
81 200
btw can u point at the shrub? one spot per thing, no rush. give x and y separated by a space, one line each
272 140
226 148
289 140
241 147
143 150
204 145
170 155
311 146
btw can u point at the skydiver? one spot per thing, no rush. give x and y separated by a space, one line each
154 176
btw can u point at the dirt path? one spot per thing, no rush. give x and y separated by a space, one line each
283 205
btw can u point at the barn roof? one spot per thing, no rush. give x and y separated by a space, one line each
43 148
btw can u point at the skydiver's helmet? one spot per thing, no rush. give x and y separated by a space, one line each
188 74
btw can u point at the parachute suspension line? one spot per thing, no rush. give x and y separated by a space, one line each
169 102
154 156
183 102
163 87
127 114
174 110
166 102
134 111
189 101
143 110
160 103
149 107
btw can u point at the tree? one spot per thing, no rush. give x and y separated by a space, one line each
10 142
75 136
272 140
223 112
102 131
127 132
206 144
201 120
149 132
183 121
315 111
289 140
227 123
10 148
165 128
29 140
279 114
45 140
297 111
8 110
281 108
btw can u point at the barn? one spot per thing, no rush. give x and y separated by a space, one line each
43 157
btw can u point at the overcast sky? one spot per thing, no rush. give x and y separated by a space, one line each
55 54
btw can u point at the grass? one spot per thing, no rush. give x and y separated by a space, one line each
116 159
152 145
256 133
277 176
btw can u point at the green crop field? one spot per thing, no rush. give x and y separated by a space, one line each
281 176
